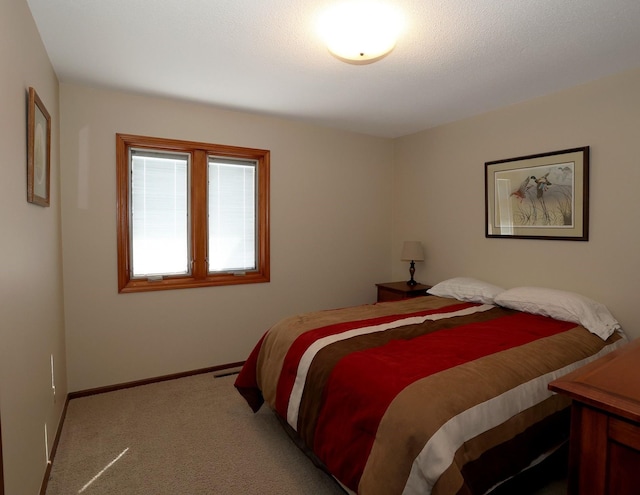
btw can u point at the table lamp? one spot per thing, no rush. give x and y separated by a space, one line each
412 251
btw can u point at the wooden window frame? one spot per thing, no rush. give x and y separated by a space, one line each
199 277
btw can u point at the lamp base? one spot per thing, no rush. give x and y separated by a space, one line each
412 270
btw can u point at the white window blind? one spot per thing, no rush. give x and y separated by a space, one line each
232 214
159 213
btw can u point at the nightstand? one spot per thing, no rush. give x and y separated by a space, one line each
604 448
396 291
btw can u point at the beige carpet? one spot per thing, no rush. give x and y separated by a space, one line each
191 436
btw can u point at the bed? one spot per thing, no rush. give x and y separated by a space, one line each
445 394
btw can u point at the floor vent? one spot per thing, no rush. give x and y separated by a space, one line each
227 372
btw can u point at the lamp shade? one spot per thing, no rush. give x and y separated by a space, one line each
412 251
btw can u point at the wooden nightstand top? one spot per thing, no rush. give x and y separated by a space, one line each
611 383
404 287
393 291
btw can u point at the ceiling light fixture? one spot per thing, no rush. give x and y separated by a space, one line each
360 31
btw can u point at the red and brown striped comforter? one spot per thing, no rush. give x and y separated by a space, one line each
428 395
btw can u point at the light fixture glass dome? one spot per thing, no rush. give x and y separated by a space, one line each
360 31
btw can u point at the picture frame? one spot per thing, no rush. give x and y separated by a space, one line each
38 151
543 196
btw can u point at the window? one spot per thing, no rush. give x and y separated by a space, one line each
190 214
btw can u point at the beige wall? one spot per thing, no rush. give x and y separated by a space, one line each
31 303
439 195
330 237
339 214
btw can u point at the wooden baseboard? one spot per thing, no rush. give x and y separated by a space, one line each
54 448
147 381
111 388
1 463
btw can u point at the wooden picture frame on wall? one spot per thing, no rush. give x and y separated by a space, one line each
38 151
544 196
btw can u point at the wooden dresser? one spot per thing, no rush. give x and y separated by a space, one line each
604 452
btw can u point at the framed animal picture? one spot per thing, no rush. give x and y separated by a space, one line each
544 196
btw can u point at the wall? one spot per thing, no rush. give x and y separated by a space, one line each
330 237
31 303
439 195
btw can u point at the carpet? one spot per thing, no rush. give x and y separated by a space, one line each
190 436
193 436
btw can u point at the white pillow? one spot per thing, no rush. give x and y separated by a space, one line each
561 305
466 289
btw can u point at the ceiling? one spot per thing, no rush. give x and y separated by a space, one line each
456 58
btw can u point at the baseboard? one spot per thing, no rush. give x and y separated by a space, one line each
1 463
54 448
147 381
218 370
